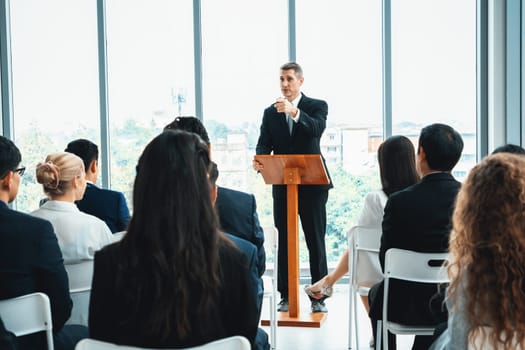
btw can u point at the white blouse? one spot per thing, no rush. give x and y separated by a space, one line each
79 234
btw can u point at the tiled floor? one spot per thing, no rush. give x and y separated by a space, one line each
333 334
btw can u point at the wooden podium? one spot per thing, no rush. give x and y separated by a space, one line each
293 170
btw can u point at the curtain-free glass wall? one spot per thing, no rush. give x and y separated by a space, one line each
434 70
150 77
55 87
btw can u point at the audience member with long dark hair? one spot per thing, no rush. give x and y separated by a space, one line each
174 280
486 296
397 169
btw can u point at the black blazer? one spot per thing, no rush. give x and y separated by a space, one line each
111 318
31 261
418 218
238 216
306 133
107 205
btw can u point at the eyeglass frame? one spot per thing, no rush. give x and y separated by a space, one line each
19 171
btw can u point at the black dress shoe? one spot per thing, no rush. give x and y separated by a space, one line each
283 305
318 306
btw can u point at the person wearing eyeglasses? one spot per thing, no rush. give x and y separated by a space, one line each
30 258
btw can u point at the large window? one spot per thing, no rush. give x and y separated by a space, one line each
150 77
241 59
55 82
434 69
339 47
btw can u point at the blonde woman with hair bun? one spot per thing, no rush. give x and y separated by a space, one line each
64 181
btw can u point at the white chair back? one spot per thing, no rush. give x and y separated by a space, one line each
28 314
365 270
230 343
413 267
80 276
271 243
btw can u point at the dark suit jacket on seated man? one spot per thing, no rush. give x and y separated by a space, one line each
419 218
107 205
238 216
294 125
30 258
250 251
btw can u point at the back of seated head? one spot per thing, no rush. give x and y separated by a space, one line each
486 247
10 156
57 172
509 148
189 124
173 222
85 149
442 145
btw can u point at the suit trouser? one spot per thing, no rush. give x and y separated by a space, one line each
312 212
375 300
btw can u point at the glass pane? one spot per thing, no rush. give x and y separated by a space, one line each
55 82
339 48
241 59
150 77
434 70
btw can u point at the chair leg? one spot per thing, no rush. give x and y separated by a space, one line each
379 331
355 320
273 322
350 317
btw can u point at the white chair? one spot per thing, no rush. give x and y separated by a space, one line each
413 267
361 241
80 276
231 343
270 283
28 314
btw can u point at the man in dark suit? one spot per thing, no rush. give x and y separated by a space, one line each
294 124
107 205
237 210
30 258
250 251
419 218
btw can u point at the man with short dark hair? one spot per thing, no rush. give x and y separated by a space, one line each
30 258
294 124
419 218
107 205
509 148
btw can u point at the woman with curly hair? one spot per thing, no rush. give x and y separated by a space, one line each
486 297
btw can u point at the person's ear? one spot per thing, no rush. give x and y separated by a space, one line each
93 166
75 181
214 193
6 181
421 153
